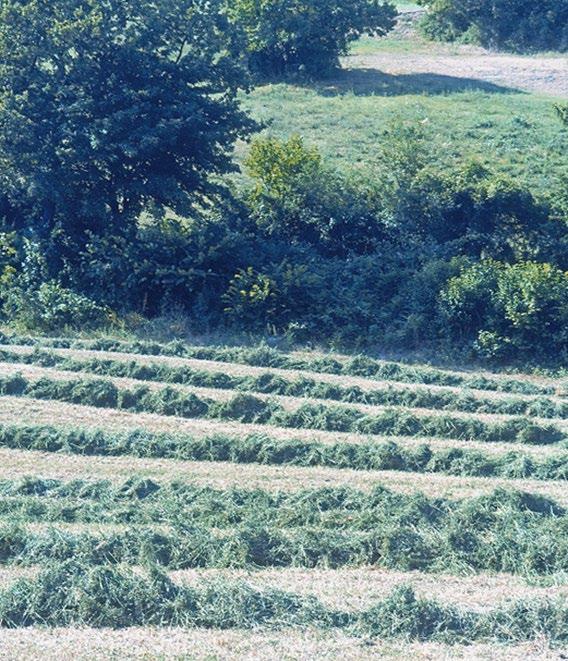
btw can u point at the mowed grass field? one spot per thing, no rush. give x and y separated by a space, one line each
178 501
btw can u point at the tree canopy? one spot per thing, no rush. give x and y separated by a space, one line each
109 107
516 25
295 36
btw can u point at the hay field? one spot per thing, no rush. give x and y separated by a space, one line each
177 501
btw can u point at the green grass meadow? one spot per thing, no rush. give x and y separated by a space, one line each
513 133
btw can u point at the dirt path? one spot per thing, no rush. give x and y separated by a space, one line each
539 74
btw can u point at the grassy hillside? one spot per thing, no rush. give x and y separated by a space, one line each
470 104
323 502
512 133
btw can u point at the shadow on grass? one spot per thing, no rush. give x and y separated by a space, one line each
371 82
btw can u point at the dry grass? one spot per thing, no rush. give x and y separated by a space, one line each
80 644
16 464
35 372
10 574
78 527
357 589
15 410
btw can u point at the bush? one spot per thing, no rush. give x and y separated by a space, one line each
52 307
34 302
165 264
521 25
296 198
290 36
252 299
469 211
510 308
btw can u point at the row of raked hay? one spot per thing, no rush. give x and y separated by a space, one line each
171 485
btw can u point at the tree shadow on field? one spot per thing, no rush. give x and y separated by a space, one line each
372 82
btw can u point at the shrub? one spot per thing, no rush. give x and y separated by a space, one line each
510 308
34 302
290 36
296 198
252 299
52 307
522 25
468 211
163 265
466 299
534 299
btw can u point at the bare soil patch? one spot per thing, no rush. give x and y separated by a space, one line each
539 74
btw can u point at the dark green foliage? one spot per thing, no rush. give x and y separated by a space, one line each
506 309
140 121
521 25
34 301
468 210
290 37
296 198
297 249
166 264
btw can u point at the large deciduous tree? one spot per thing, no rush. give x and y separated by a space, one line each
109 107
306 36
516 25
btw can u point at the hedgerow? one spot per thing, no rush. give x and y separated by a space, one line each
249 409
503 531
270 383
264 356
262 449
515 26
73 594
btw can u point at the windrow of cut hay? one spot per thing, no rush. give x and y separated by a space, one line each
173 550
72 594
271 383
247 408
264 449
334 527
329 364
